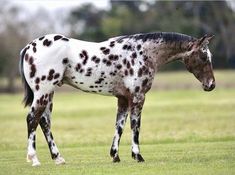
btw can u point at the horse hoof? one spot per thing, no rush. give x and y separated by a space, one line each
116 159
137 157
140 158
59 161
34 159
36 163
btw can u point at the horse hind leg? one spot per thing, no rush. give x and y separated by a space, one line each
37 108
45 123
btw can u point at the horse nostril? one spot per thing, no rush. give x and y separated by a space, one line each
212 86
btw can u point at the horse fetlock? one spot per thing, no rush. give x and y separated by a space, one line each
113 152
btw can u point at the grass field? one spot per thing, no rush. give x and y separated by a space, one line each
183 132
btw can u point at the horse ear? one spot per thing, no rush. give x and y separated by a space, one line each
209 37
200 42
204 40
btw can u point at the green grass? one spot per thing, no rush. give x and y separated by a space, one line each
183 132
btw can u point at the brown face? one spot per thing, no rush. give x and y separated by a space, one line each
199 63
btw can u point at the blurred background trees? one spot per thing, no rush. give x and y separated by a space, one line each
87 22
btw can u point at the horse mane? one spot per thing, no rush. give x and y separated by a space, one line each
166 36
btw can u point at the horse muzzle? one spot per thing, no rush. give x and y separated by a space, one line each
209 87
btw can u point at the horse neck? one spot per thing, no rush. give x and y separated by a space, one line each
161 53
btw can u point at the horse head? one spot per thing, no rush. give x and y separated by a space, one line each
199 62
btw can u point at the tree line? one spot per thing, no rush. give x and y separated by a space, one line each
87 22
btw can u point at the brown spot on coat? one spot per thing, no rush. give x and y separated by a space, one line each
56 82
37 80
93 58
99 81
33 70
97 60
134 55
129 47
47 42
51 72
137 88
50 96
30 60
84 61
131 71
119 66
57 37
81 71
140 72
126 72
57 75
124 47
124 61
43 77
128 64
65 39
50 76
144 83
111 56
108 63
78 67
112 43
106 51
81 55
133 62
26 57
41 38
41 100
37 87
34 49
51 106
65 61
85 54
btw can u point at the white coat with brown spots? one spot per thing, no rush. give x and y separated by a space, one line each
123 67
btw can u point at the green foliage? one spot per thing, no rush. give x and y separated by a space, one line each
194 18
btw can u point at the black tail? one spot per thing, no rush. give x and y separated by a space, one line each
28 93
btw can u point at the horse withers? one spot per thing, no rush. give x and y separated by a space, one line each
123 67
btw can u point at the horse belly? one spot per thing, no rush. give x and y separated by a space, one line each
90 79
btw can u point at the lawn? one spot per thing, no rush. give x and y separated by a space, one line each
183 132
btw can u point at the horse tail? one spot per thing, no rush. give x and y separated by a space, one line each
28 93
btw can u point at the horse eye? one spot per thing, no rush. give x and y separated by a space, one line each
204 57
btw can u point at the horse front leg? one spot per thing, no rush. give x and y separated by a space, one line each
135 121
45 123
122 114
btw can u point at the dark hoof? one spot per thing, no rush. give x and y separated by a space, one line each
137 157
116 159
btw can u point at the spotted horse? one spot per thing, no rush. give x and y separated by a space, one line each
122 66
